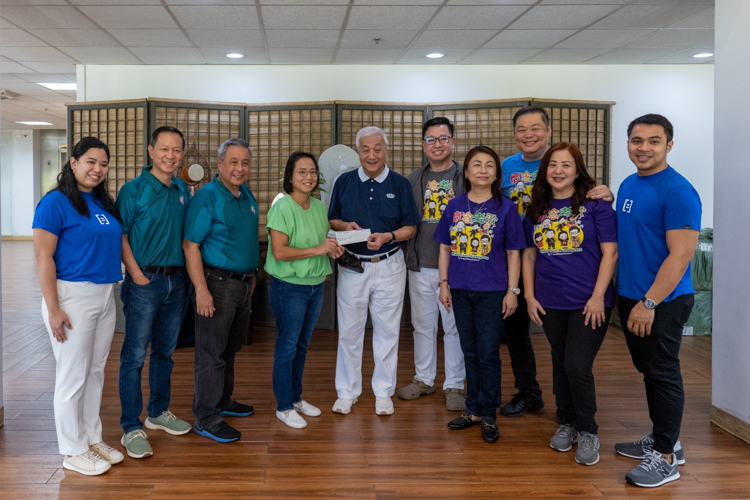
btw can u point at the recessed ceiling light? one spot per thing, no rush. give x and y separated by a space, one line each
235 55
435 55
59 86
704 54
34 123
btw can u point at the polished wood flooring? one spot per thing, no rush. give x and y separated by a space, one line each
410 454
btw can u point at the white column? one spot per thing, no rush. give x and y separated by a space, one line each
731 315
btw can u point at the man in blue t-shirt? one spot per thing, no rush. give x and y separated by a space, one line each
152 207
222 255
376 198
658 222
532 133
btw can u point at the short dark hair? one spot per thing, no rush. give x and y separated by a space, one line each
436 122
161 130
653 119
289 171
527 110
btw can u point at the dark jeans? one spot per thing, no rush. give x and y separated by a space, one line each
296 309
217 341
574 347
656 356
479 319
152 315
521 351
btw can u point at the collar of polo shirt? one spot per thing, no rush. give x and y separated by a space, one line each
152 180
379 179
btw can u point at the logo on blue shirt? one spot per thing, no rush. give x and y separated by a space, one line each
627 205
390 195
102 219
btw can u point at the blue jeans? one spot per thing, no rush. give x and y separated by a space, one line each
479 319
296 309
152 315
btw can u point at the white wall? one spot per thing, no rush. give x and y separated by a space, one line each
731 343
683 93
22 173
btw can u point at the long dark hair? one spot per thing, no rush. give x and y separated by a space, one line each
68 185
541 192
289 171
497 192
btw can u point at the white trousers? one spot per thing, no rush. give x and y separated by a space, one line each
424 293
79 374
381 289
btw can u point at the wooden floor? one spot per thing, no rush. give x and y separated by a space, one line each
410 454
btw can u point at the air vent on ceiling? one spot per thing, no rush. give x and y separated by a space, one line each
7 94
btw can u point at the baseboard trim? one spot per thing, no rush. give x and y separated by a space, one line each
733 425
9 237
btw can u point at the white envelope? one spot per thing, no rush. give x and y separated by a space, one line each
349 237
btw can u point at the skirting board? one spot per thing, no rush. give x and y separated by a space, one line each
9 237
731 424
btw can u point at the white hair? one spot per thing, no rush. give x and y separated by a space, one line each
222 153
368 131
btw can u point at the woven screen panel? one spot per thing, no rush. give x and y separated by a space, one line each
205 127
274 133
488 125
121 127
588 128
402 125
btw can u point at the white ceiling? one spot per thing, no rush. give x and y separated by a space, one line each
43 40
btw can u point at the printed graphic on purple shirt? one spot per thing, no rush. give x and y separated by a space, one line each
567 265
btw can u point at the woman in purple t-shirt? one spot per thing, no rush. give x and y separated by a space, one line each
568 287
480 235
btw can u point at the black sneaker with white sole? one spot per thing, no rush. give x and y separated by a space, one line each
642 448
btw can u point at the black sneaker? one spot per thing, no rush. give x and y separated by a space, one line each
463 422
221 432
489 430
521 404
238 410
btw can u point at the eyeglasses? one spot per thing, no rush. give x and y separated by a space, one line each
443 139
306 173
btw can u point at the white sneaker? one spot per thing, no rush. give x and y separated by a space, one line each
306 408
292 419
88 464
107 452
343 405
383 406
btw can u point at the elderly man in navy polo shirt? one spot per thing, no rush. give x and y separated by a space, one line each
376 198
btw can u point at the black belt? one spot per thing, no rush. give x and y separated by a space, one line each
378 258
229 274
164 270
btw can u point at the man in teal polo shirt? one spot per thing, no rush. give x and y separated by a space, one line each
152 207
221 249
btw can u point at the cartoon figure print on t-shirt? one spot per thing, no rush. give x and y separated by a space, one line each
520 193
436 198
471 235
559 232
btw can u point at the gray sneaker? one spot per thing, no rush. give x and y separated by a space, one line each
564 438
641 449
653 471
588 449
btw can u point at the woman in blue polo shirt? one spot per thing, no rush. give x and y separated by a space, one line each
482 286
297 260
77 241
567 282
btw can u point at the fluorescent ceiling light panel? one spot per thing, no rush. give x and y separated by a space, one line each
435 55
59 86
704 54
235 55
34 123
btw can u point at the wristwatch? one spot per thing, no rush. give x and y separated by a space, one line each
515 290
650 304
393 237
